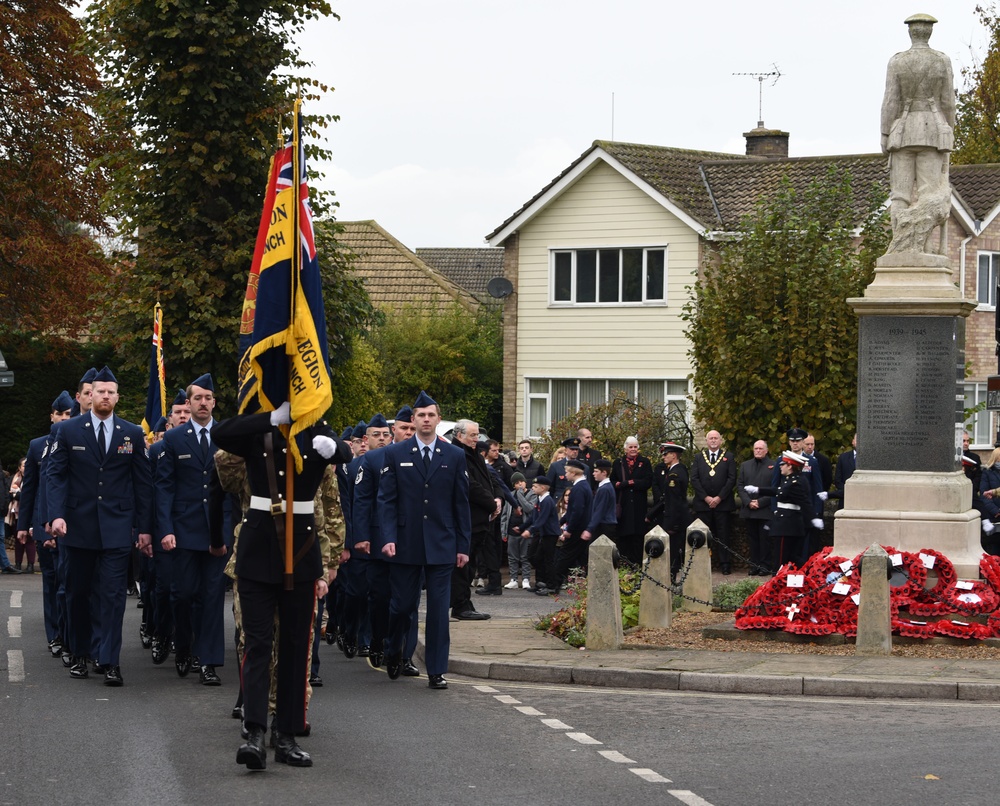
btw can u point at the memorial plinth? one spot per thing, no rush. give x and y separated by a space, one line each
909 490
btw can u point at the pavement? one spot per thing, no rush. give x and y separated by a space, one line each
509 648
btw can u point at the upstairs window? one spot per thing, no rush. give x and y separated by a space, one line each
635 275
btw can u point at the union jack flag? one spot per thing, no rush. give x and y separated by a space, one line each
285 180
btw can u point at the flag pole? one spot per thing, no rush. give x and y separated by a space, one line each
290 349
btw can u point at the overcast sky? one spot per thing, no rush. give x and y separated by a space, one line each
456 112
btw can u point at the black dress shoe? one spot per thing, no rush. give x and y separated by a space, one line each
315 681
726 570
237 712
113 676
252 753
409 670
66 658
100 668
393 665
78 669
470 615
208 677
10 569
349 648
147 641
375 659
183 665
55 648
497 591
364 651
161 650
331 635
437 682
286 751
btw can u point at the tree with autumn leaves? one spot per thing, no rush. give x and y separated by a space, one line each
977 123
51 179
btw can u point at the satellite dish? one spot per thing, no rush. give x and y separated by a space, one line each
499 288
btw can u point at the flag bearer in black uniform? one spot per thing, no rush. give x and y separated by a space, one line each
260 569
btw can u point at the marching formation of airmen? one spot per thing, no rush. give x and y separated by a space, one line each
205 501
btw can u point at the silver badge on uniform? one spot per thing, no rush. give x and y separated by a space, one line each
361 472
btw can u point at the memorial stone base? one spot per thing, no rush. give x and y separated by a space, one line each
909 490
910 510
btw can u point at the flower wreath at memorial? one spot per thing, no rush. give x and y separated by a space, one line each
927 598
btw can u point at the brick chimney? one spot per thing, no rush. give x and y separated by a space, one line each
767 144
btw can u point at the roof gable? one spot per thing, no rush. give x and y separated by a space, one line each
394 276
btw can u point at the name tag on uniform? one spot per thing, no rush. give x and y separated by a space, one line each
406 464
79 447
184 456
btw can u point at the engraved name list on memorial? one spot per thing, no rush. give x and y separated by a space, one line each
906 390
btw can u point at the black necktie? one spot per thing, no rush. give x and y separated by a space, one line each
427 457
101 444
204 443
712 460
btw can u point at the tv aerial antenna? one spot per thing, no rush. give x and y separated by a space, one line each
774 74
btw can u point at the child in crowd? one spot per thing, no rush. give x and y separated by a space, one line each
517 546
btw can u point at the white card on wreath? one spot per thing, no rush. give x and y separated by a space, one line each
964 585
927 560
897 559
795 580
842 589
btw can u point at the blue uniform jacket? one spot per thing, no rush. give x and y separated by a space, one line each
32 512
364 507
425 512
184 489
603 509
543 521
578 509
100 499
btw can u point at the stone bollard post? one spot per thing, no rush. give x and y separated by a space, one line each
655 601
604 600
698 584
874 614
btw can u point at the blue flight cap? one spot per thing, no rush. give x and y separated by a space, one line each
359 430
405 415
378 421
105 375
423 401
161 426
205 382
181 398
89 375
62 403
348 432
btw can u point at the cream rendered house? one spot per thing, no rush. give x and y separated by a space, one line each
601 260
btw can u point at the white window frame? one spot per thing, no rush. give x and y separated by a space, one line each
547 397
572 303
991 292
979 439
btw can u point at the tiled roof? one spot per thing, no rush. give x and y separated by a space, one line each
472 269
393 275
736 186
979 187
674 172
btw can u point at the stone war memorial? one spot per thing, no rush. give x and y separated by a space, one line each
909 490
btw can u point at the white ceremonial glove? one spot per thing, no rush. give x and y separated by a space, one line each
817 523
822 496
282 415
751 489
988 526
324 446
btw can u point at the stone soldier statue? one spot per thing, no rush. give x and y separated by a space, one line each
918 120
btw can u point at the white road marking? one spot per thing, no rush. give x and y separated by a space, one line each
688 797
15 599
506 699
555 723
650 775
15 666
615 756
583 738
527 710
14 626
486 689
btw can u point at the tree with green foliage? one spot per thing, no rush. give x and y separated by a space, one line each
774 343
456 355
49 195
977 123
201 89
